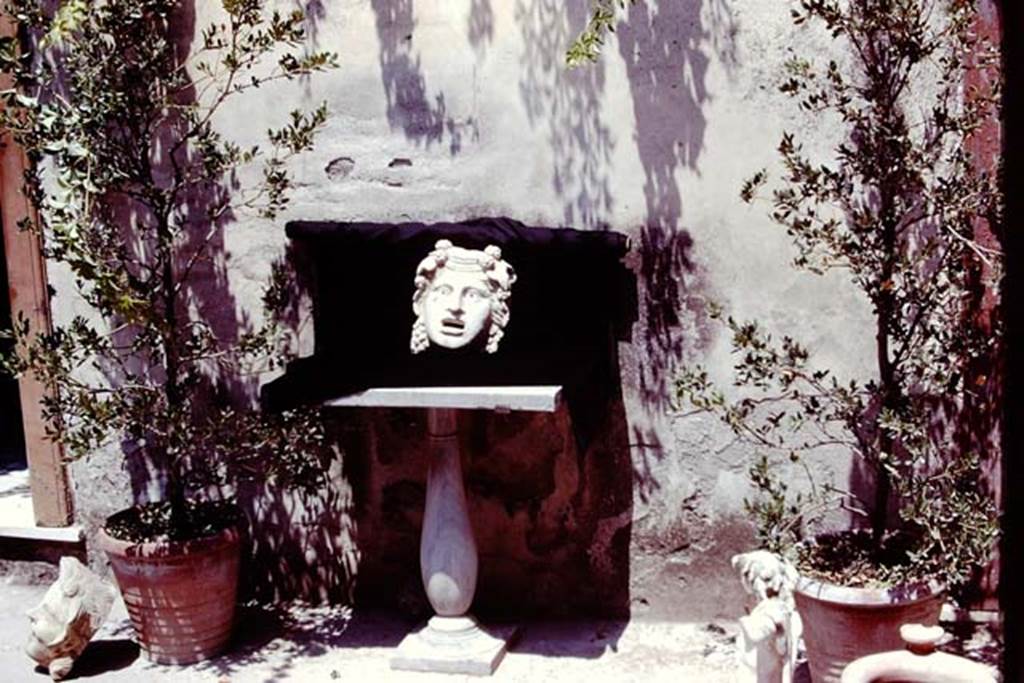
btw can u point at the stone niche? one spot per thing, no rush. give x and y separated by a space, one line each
552 523
549 494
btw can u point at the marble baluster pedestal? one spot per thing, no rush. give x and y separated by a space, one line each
452 641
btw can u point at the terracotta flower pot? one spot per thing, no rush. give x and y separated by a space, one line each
843 624
180 595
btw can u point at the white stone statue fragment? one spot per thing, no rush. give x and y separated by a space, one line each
771 632
461 293
71 612
921 662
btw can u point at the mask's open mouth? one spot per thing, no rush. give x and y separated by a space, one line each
453 327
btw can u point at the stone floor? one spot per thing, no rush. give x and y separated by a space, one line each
304 643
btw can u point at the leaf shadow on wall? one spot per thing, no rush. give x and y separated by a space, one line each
424 119
667 48
566 104
480 26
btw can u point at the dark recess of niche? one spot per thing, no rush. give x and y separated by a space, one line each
12 437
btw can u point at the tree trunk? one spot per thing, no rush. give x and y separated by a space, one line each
175 491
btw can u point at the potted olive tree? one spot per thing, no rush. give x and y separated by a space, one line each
133 185
897 208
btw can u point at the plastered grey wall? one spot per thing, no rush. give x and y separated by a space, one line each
451 109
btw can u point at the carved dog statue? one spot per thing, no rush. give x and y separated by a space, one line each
771 632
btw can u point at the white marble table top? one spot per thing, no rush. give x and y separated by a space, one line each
544 399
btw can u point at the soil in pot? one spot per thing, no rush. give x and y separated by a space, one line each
180 592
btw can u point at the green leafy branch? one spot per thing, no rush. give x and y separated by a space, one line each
586 48
132 182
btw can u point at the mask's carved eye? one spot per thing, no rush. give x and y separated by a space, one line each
473 294
443 290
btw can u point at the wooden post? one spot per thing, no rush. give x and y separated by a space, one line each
26 273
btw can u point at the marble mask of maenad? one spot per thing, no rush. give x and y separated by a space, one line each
460 294
71 612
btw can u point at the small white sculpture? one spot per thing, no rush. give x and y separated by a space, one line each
772 630
459 294
71 612
919 662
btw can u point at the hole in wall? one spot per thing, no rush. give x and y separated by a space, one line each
340 168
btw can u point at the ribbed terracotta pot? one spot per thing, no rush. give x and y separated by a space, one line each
180 595
843 624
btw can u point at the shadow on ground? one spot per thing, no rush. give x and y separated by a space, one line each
277 641
270 638
103 657
297 641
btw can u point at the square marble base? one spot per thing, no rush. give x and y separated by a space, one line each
455 645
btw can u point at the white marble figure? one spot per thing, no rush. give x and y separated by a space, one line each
71 612
460 293
771 632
